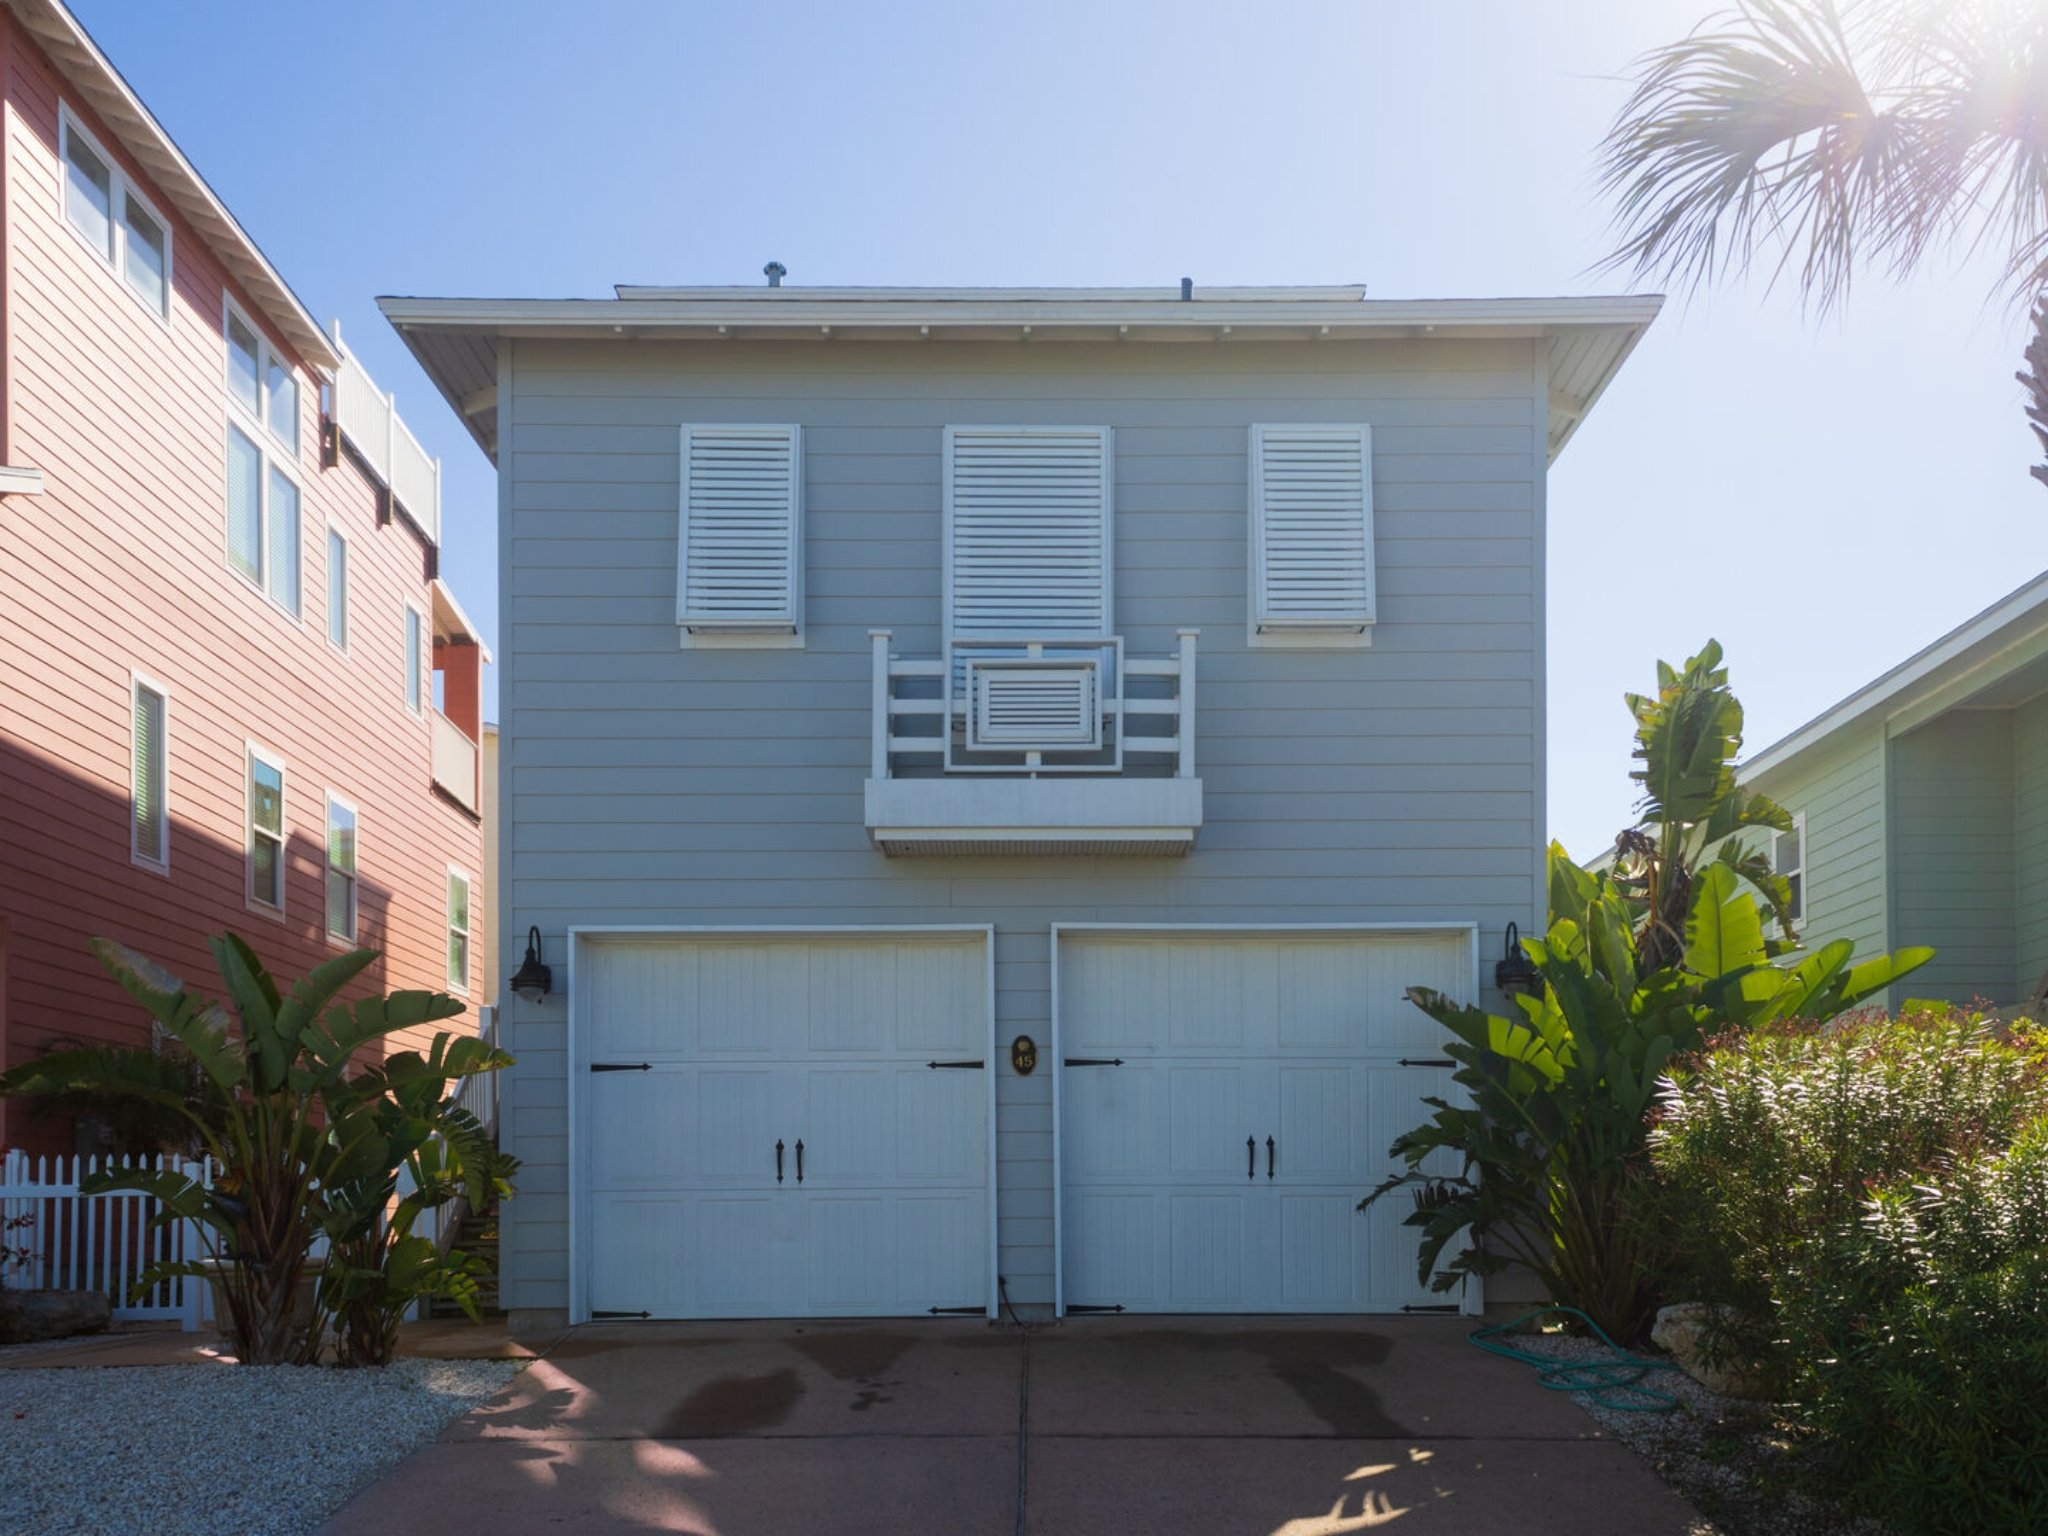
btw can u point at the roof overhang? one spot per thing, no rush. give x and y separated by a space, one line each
89 72
451 623
1982 649
457 340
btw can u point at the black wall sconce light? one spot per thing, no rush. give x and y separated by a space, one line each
532 980
1515 972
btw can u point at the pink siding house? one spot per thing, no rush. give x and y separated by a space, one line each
233 692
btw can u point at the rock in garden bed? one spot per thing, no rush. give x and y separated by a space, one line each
31 1317
193 1450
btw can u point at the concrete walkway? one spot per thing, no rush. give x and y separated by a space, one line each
1266 1427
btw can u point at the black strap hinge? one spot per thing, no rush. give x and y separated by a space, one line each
1093 1061
965 1065
622 1066
956 1311
598 1312
1447 1306
1075 1307
1417 1061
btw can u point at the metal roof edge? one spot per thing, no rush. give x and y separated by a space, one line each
2028 602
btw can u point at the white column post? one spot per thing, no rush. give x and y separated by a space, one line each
1186 700
878 725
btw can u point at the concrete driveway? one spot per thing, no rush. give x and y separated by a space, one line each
1259 1426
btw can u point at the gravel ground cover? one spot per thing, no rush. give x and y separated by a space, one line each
1730 1458
202 1450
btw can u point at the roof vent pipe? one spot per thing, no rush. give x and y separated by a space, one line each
775 271
1187 289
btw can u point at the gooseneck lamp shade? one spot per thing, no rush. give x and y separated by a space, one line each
532 980
1515 972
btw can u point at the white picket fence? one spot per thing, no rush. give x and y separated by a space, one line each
100 1242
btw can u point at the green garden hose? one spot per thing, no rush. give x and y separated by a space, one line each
1614 1382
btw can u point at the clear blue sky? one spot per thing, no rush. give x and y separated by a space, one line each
1823 497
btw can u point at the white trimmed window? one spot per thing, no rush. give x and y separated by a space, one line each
114 219
1028 532
1312 575
149 775
341 869
415 656
458 930
266 829
740 536
265 531
337 589
1788 861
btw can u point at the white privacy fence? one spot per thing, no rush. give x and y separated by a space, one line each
100 1242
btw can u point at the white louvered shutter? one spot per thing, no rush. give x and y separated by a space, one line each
740 554
1028 532
1311 505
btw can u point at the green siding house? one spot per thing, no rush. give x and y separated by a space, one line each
1920 805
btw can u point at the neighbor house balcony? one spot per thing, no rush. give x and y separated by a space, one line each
457 714
1030 745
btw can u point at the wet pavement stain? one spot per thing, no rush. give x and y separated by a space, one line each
733 1405
859 1357
1313 1364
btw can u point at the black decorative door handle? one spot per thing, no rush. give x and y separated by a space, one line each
778 1160
1269 1157
1251 1156
799 1161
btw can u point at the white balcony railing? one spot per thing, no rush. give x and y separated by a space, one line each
1027 744
369 419
455 757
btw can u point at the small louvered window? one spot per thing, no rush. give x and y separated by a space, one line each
740 550
1311 529
148 820
1028 537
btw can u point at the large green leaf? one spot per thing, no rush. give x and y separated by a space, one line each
1724 933
199 1025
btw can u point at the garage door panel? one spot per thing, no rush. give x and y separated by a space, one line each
849 1127
942 1246
1114 1245
1319 990
1213 1108
853 998
1209 1251
940 993
1109 1115
642 1242
1109 999
753 999
741 1112
1322 1251
641 1001
1394 1097
1319 1121
939 1126
1215 997
642 1127
746 1259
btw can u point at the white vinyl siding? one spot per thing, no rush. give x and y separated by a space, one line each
1312 568
266 829
149 818
113 218
739 547
458 930
341 869
1028 532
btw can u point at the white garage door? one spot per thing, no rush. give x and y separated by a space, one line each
1225 1103
785 1126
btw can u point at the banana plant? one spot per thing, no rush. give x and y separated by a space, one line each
283 1121
1557 1094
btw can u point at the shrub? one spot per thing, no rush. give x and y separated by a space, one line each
1870 1202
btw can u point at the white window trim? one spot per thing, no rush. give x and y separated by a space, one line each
1304 637
765 638
1805 879
138 680
252 754
467 930
266 433
120 188
239 419
419 669
348 940
1108 436
335 531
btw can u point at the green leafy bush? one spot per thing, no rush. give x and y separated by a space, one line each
1870 1203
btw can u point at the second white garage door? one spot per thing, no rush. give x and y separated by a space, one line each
1226 1100
784 1125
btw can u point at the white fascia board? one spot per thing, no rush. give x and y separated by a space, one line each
448 613
2022 612
20 480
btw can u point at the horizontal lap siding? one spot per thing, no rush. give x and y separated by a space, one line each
1952 853
1840 790
2030 846
121 564
651 785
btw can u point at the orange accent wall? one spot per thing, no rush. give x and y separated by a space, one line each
121 564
